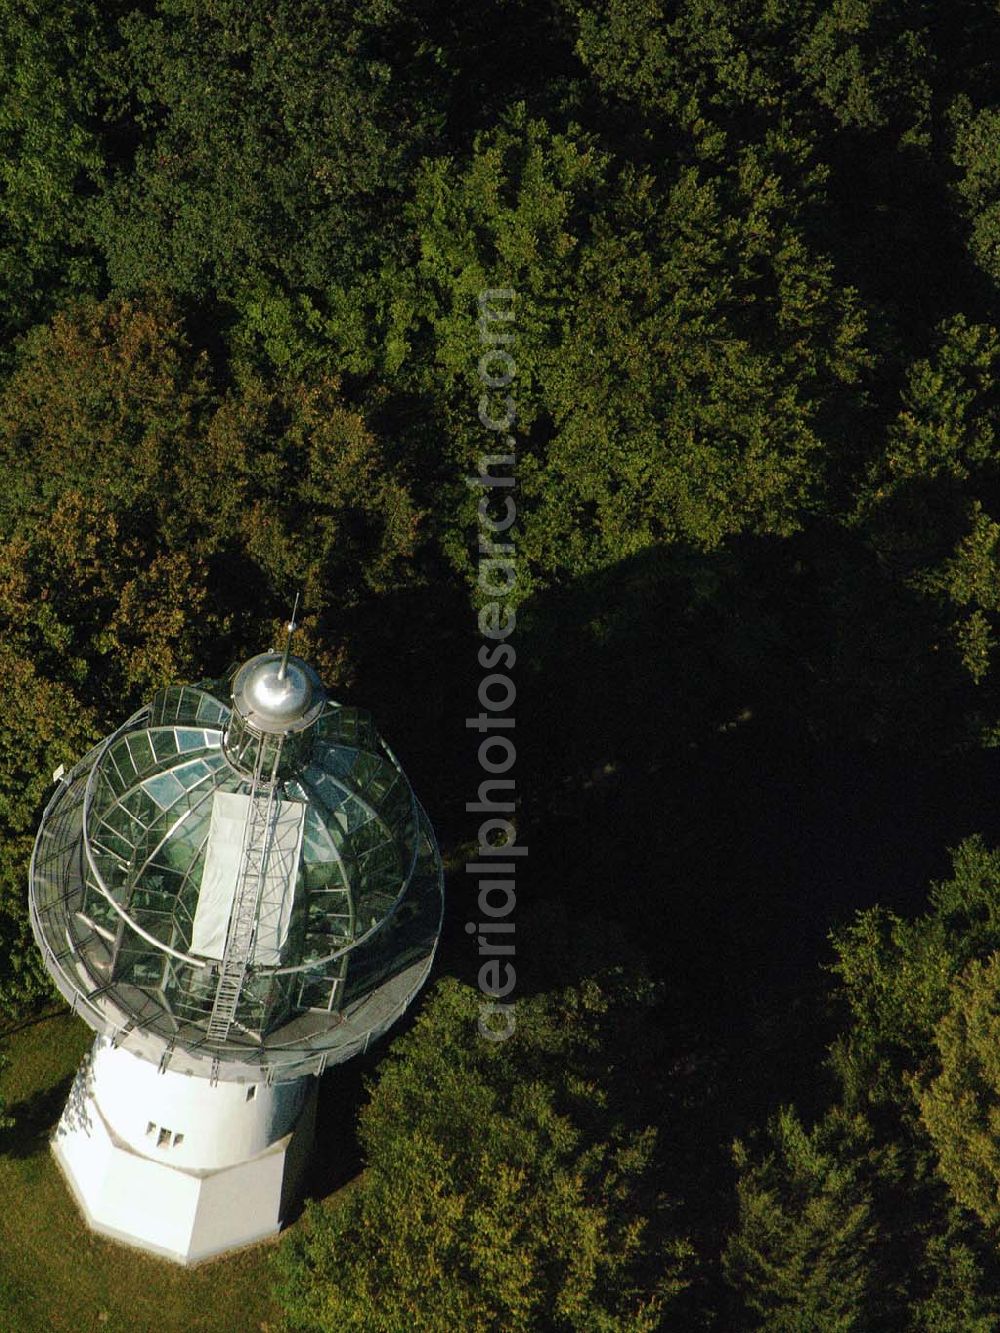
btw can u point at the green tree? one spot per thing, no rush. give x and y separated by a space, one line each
923 503
871 1219
43 726
896 976
862 64
804 1251
273 157
56 122
975 152
149 516
501 1191
959 1298
960 1105
680 346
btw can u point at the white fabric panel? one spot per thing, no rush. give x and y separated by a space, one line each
220 877
220 874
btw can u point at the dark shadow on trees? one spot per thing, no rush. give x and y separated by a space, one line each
720 757
336 1157
725 753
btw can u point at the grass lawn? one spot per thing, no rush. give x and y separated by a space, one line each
57 1275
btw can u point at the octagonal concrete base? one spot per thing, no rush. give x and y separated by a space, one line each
184 1213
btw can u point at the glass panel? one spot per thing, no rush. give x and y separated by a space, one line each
316 993
317 842
351 814
211 710
111 774
140 750
191 772
372 834
114 842
319 875
339 761
164 789
164 744
123 762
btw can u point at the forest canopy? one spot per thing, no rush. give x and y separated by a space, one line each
754 251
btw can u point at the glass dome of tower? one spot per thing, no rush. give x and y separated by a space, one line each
239 881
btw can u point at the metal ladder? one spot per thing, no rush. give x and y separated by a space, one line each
258 834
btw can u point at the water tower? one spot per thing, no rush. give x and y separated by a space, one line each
236 889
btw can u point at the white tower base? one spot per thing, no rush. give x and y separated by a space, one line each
171 1164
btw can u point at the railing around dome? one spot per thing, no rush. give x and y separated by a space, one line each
82 969
114 1011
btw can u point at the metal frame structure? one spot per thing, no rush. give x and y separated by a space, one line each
116 873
